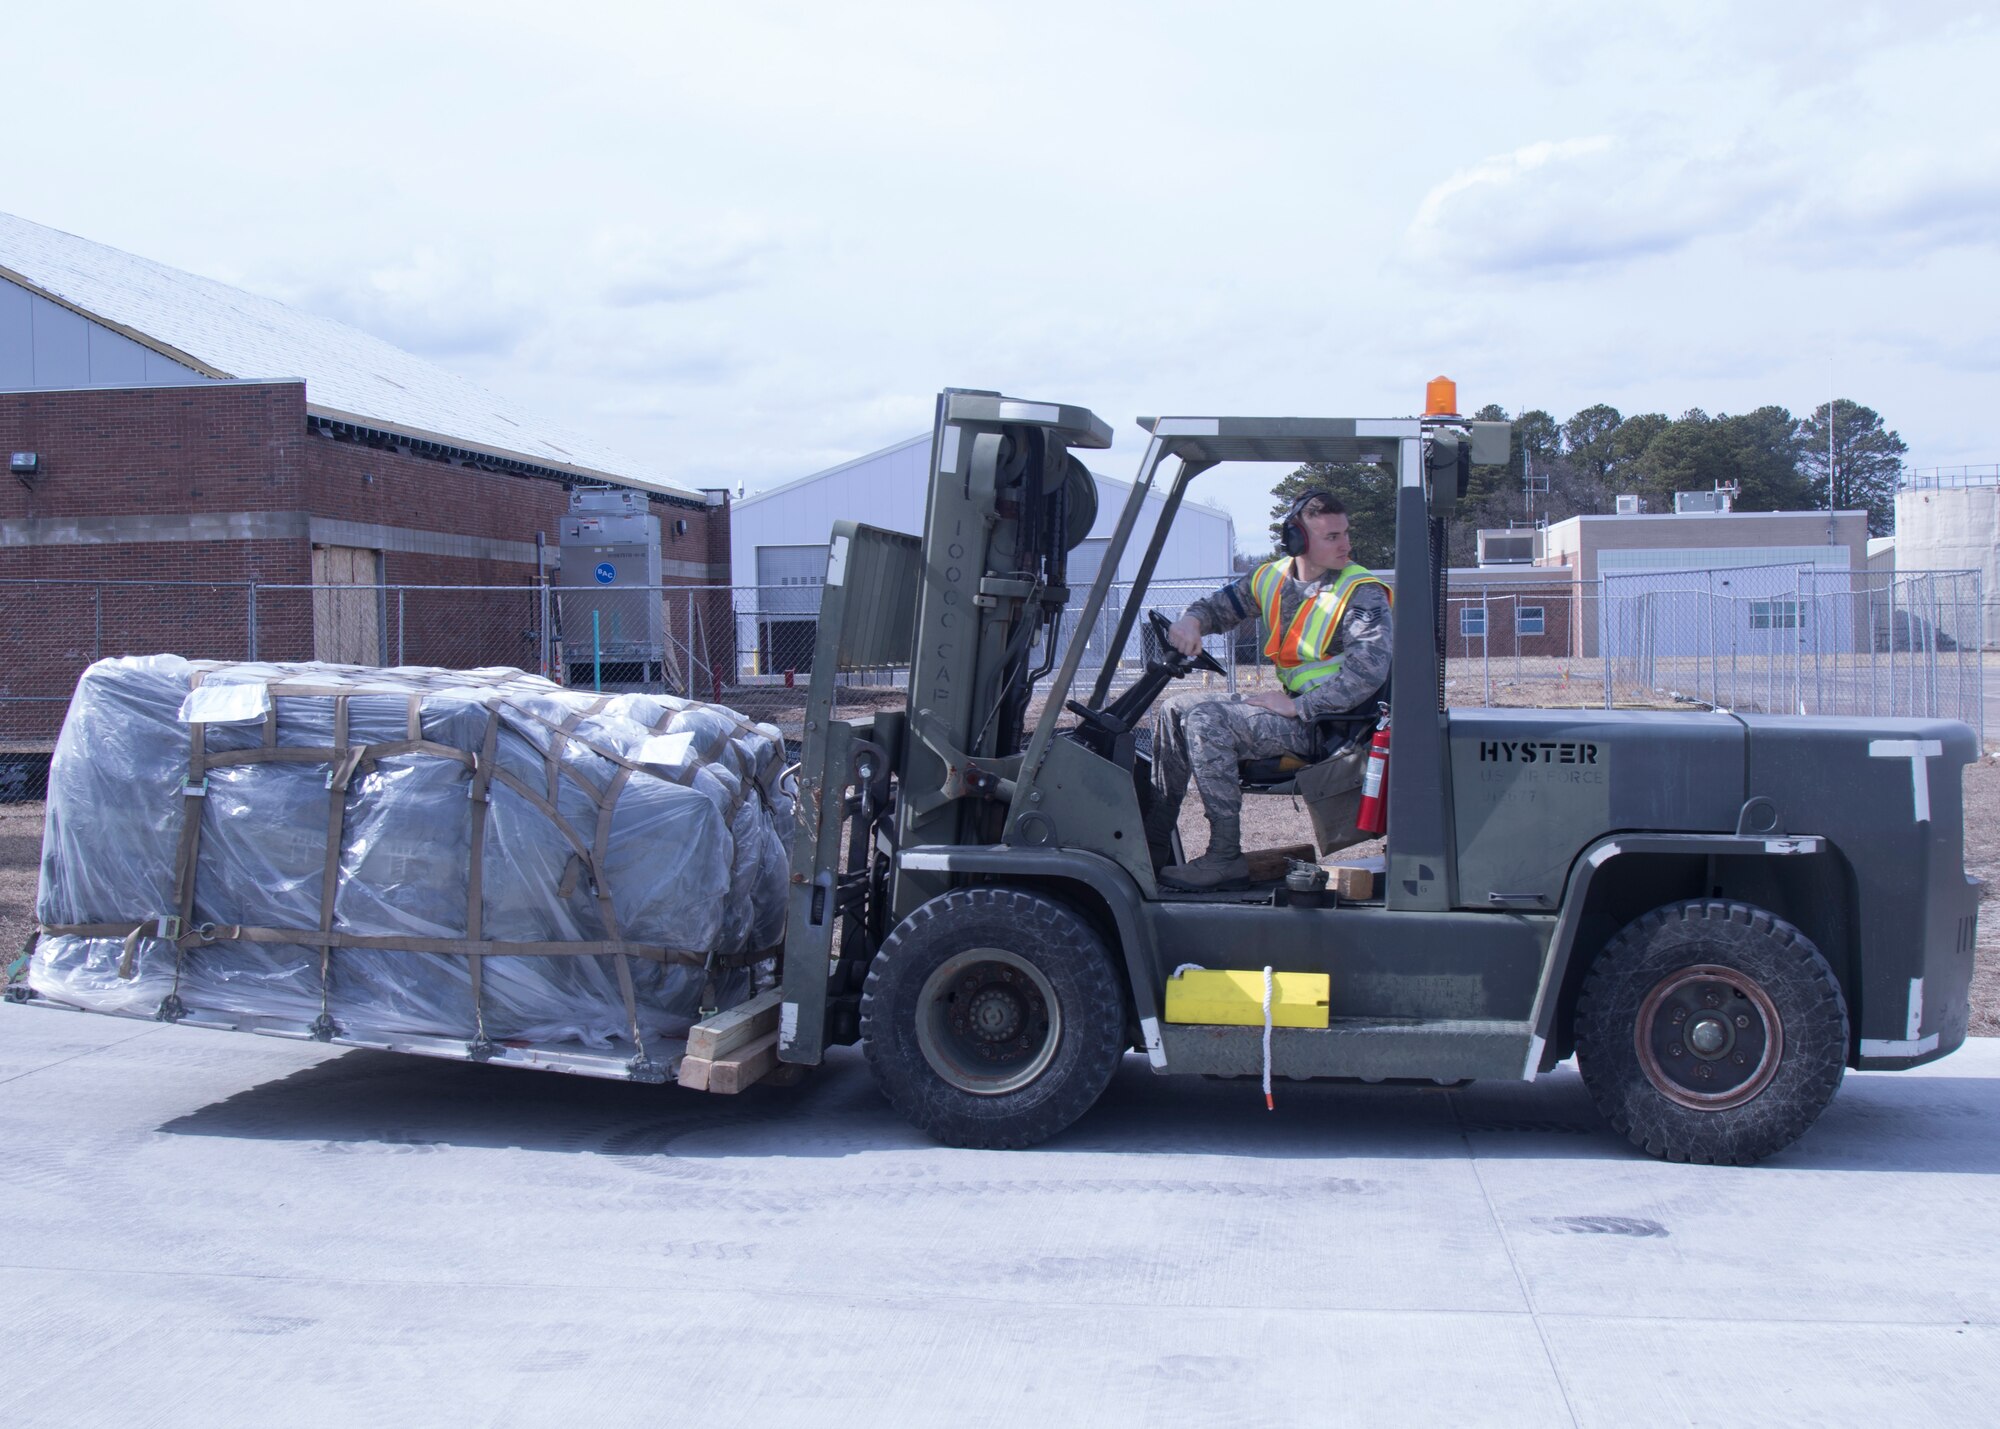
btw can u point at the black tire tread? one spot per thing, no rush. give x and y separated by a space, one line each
1095 1023
1797 979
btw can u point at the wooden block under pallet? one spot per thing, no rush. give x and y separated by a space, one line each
728 1075
733 1027
1269 864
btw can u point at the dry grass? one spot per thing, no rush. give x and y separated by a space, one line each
20 860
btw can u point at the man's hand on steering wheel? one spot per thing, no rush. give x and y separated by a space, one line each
1180 645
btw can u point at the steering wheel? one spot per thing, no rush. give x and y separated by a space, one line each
1176 663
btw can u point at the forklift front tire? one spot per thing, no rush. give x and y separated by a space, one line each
993 1018
1711 1032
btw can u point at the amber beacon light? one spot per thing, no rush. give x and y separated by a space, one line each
1441 398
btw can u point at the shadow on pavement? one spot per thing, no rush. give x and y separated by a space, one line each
1876 1123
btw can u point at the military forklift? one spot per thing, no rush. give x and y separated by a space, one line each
1716 913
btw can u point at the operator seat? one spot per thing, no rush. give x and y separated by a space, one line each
1338 735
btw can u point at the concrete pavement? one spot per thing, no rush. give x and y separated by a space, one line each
215 1229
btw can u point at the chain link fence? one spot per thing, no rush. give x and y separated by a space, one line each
1778 639
1797 640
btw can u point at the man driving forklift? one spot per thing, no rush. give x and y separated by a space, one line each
1328 635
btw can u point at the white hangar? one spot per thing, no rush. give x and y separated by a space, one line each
778 545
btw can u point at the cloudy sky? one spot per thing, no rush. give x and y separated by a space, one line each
746 241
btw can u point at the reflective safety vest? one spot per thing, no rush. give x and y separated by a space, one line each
1299 650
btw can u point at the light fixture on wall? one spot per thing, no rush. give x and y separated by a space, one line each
26 465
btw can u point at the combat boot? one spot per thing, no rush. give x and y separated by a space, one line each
1222 865
1160 836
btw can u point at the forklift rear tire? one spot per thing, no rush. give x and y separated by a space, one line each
993 1018
1711 1032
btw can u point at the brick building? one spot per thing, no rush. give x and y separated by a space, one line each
200 470
1502 610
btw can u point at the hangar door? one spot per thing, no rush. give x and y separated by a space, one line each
347 605
789 579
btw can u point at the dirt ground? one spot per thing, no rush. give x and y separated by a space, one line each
1267 823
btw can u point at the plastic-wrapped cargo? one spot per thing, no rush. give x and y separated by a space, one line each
366 853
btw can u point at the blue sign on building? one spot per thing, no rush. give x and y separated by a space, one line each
606 573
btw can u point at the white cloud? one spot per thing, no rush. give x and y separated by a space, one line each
634 266
432 300
1571 203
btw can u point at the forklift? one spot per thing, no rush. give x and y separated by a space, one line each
1716 913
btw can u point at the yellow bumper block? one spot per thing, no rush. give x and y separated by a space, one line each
1234 997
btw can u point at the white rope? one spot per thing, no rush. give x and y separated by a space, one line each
1269 1105
1188 968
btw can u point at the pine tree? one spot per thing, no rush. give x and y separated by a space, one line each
1867 462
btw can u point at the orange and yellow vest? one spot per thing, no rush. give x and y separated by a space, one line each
1299 649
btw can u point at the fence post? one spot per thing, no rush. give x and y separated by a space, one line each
542 627
97 612
251 617
402 625
1604 632
1979 649
1485 643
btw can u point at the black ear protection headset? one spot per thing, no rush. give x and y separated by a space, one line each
1292 531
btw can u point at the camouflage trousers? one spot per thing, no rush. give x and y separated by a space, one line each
1204 737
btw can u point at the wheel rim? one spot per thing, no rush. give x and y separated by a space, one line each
1709 1037
988 1022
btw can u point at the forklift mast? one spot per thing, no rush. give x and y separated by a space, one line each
973 609
1007 504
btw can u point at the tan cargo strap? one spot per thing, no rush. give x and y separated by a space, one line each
475 873
340 769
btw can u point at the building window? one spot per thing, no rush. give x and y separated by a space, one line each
1528 621
1472 622
1774 615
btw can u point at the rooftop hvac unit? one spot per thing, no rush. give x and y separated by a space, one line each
1631 506
1509 548
1690 503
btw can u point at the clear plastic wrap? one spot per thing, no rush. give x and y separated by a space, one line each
631 829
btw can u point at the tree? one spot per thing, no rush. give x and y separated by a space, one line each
1764 446
1587 439
1367 490
1537 434
1867 462
1757 453
1629 443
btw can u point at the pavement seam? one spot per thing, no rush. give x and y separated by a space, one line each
1507 1248
75 1056
1248 1307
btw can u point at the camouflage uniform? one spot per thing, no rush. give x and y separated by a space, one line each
1205 736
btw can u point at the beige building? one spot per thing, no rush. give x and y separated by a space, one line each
1755 553
1952 528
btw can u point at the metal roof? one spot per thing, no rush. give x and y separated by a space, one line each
350 376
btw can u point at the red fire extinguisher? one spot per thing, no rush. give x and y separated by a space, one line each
1372 817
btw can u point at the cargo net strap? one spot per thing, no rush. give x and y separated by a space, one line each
344 760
